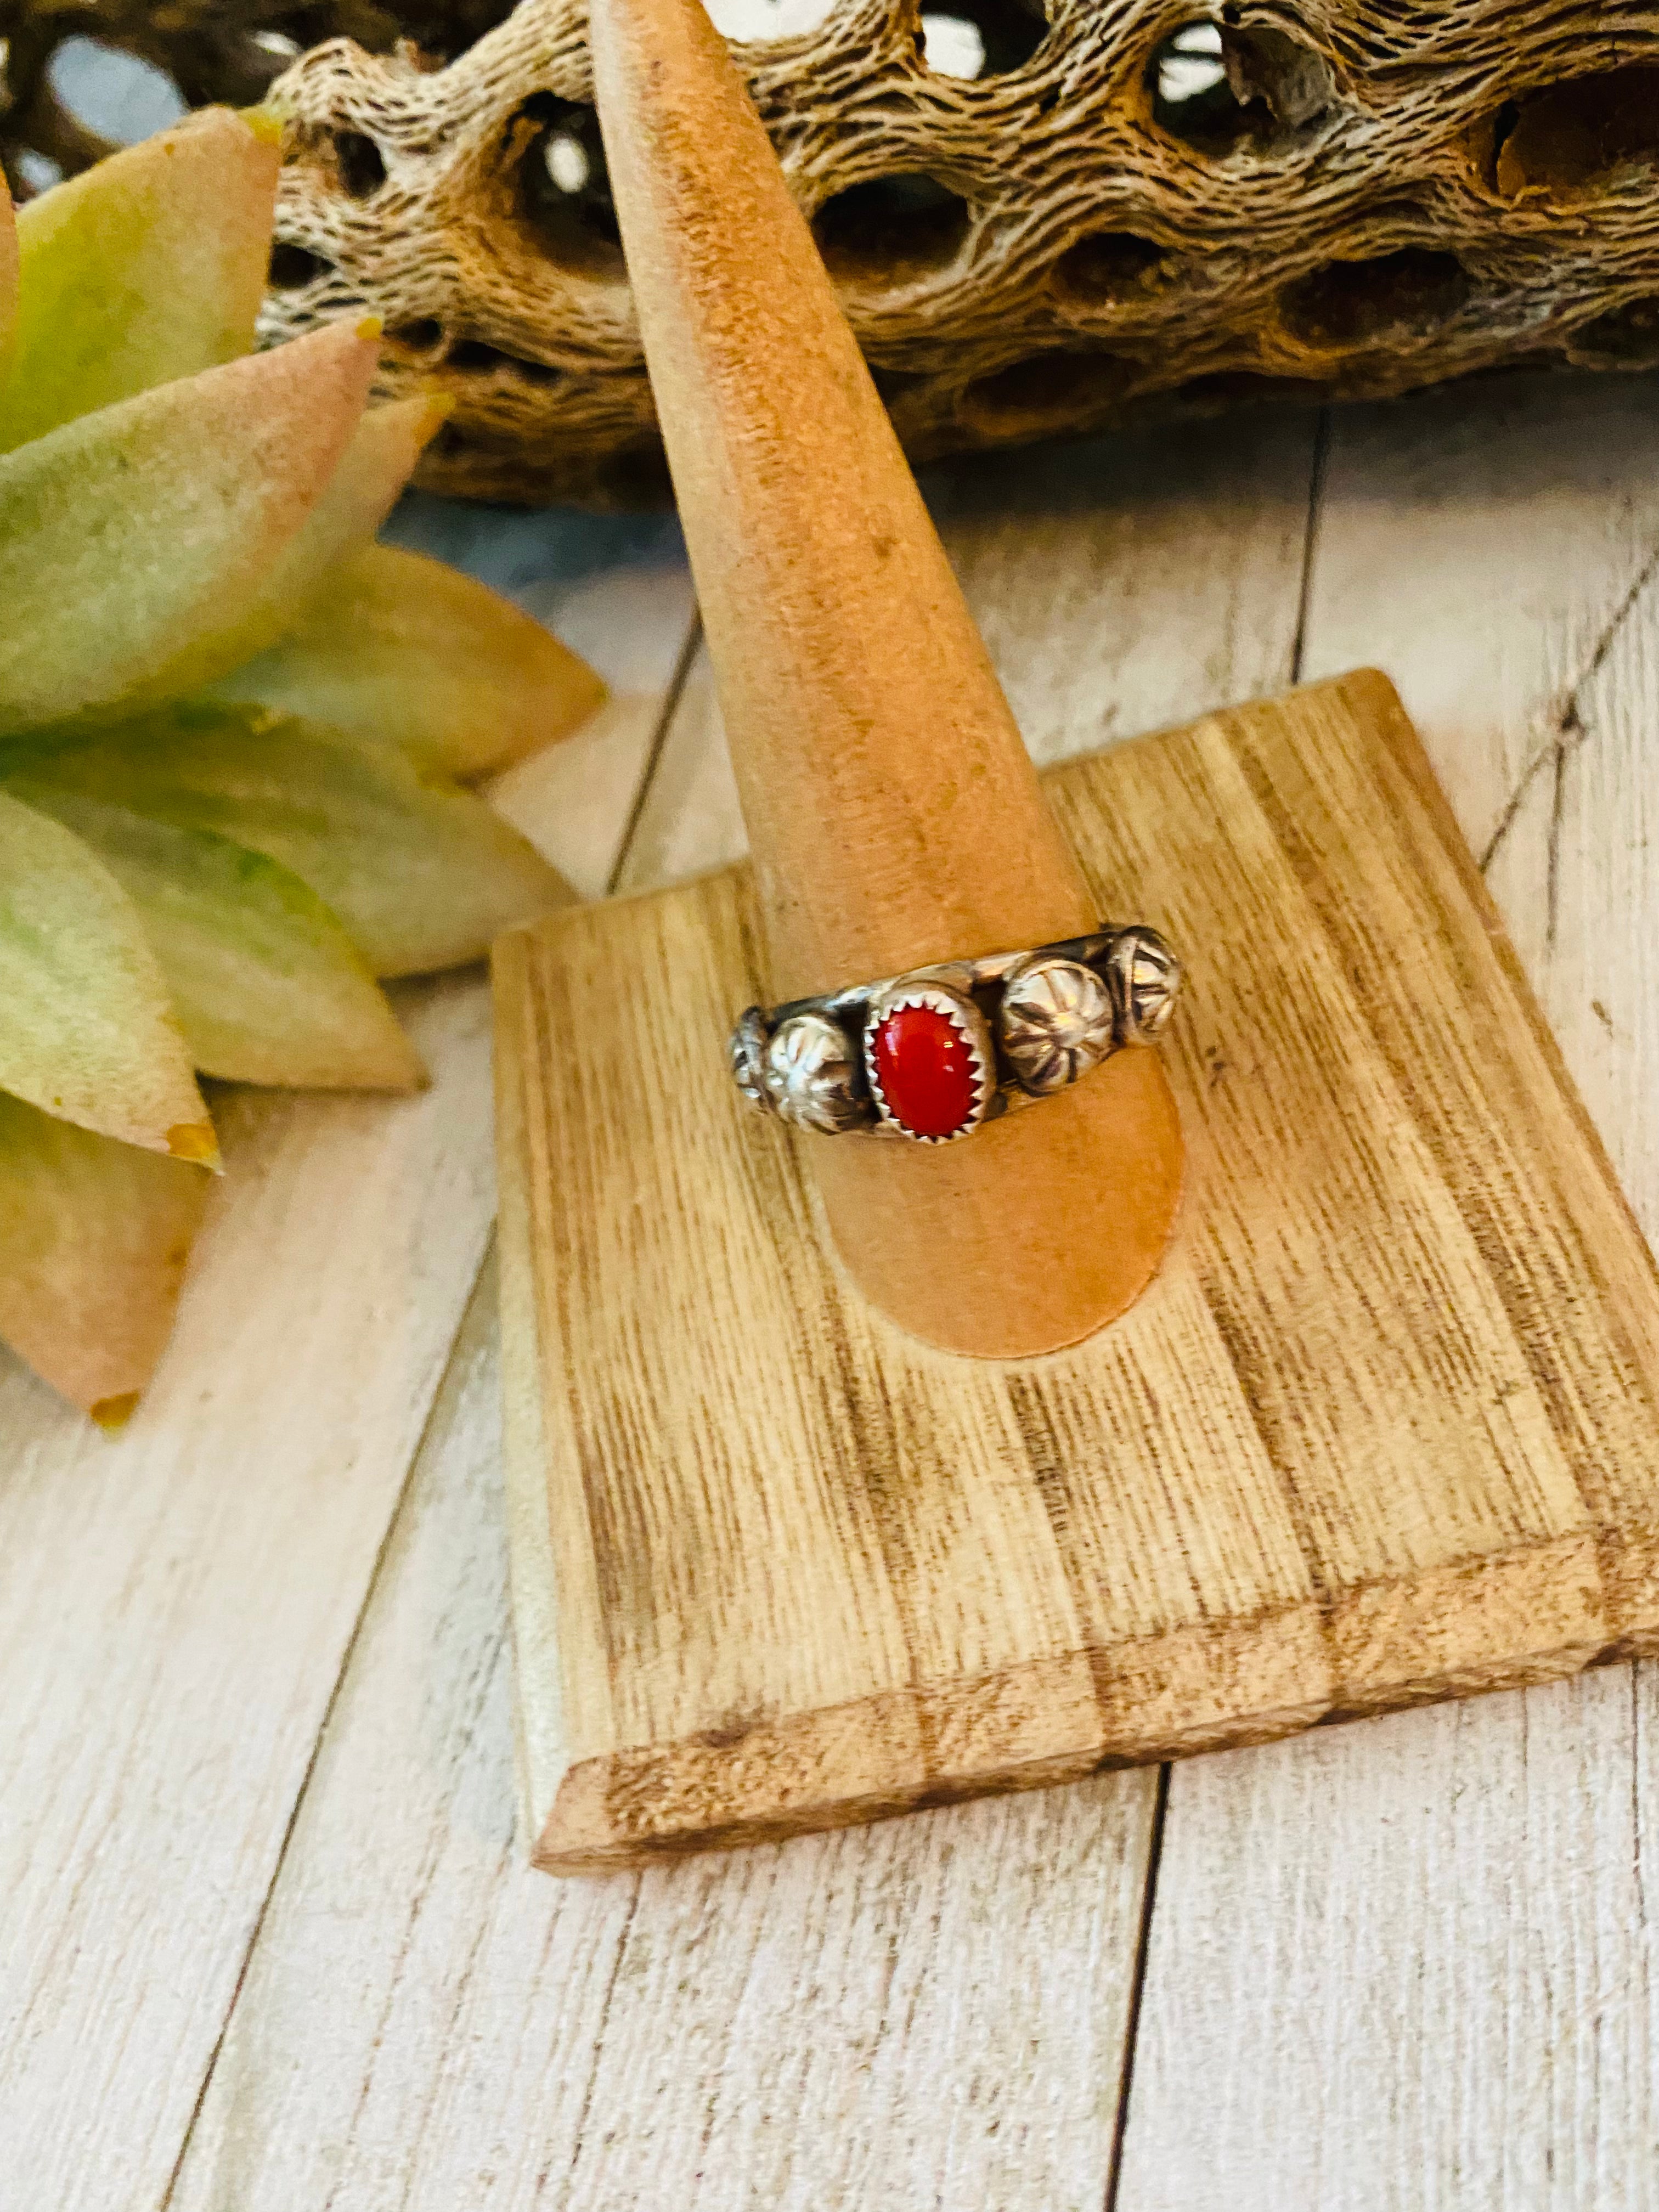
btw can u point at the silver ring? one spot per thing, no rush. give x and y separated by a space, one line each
934 1054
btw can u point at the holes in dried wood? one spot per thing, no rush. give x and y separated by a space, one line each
1597 128
1050 388
360 163
564 187
293 267
468 357
1217 89
472 355
759 22
982 38
892 384
638 476
1579 136
1487 138
1268 68
1107 266
475 357
952 46
891 228
1624 337
1396 296
1192 99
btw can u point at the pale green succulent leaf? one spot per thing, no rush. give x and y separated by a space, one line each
94 1238
87 1029
364 490
395 647
147 267
267 985
422 874
128 537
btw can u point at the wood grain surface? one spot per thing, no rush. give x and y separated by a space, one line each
863 2018
1435 1935
1383 1430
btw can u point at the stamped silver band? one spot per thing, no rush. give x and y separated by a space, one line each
933 1055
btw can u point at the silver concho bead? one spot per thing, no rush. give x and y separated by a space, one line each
812 1075
1146 978
747 1052
1056 1022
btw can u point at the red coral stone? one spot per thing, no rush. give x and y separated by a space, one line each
926 1071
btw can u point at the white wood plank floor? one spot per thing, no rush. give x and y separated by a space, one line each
1410 1964
265 1938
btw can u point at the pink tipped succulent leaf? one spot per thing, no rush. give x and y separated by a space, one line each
422 874
88 1031
186 879
268 985
94 1239
148 268
129 537
361 492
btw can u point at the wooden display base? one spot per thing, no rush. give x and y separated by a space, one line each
1382 1431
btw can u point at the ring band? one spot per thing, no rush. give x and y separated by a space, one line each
933 1055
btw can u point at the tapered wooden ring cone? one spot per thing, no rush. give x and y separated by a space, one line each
893 814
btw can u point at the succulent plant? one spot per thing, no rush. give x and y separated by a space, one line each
232 729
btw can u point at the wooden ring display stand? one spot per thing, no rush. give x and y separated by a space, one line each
1383 1428
893 813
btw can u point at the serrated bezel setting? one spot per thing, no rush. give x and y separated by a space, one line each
970 1027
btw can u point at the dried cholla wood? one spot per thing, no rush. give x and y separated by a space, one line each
1368 202
1097 226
